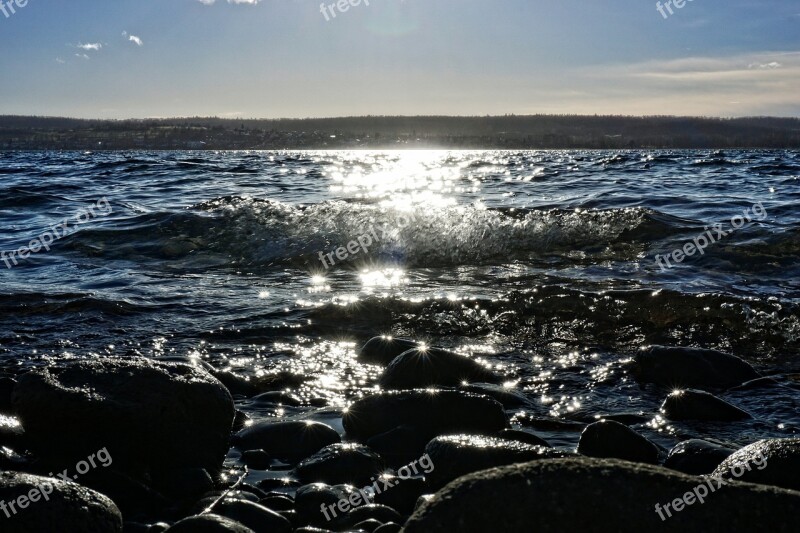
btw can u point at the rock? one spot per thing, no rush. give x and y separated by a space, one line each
309 500
277 502
179 483
403 495
367 525
401 444
434 367
209 523
148 414
257 459
6 388
312 530
510 398
607 438
699 405
382 350
771 462
584 494
53 505
253 515
690 367
278 398
372 511
11 431
340 463
390 527
435 412
288 440
240 421
696 457
522 436
453 456
11 460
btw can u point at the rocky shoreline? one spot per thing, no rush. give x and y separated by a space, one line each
142 445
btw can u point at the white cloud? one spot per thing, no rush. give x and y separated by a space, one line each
773 64
82 56
207 2
60 61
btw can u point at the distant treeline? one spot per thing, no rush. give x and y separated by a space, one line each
509 131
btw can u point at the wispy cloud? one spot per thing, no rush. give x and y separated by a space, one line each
82 56
60 61
90 46
133 38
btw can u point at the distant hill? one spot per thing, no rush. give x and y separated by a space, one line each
510 131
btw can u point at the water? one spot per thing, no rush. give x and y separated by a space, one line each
541 263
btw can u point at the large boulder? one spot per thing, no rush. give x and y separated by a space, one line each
147 414
35 504
382 350
699 405
293 439
434 411
769 462
610 439
340 463
420 368
690 367
583 494
697 457
453 456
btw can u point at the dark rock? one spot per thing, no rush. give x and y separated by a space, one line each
54 505
510 398
391 527
309 500
182 482
247 488
760 383
372 511
522 436
158 527
546 424
368 525
148 414
290 440
277 502
690 367
435 412
340 463
6 388
767 462
279 398
403 495
11 460
257 459
614 440
383 350
434 367
401 444
583 494
240 421
696 457
135 527
699 405
278 483
312 530
11 432
453 456
253 515
209 523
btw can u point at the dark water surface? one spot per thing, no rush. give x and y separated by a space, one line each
541 263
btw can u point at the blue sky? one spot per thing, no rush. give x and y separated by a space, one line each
282 58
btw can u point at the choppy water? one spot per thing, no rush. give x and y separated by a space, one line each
542 263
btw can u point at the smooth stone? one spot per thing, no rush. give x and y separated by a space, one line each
277 502
68 506
454 456
372 511
310 498
585 494
391 527
403 495
609 439
312 530
11 460
546 424
401 444
291 440
257 459
240 421
433 411
696 457
209 523
510 398
782 468
147 414
382 350
278 398
253 515
182 482
434 367
6 388
11 432
690 367
760 383
522 436
368 525
340 463
699 405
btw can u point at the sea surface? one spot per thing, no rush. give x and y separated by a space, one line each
540 263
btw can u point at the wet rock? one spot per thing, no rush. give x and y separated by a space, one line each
401 444
434 367
582 494
546 424
278 483
435 412
367 525
11 460
182 482
11 431
690 367
768 462
372 511
310 498
453 456
391 527
696 457
209 523
699 405
382 350
607 438
240 421
509 397
257 459
340 463
43 504
6 388
289 440
312 530
760 383
279 398
277 502
403 495
523 436
253 515
148 414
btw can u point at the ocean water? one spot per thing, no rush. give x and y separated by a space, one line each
541 263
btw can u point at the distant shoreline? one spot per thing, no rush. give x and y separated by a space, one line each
535 132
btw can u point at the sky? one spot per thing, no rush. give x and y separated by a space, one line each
294 58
